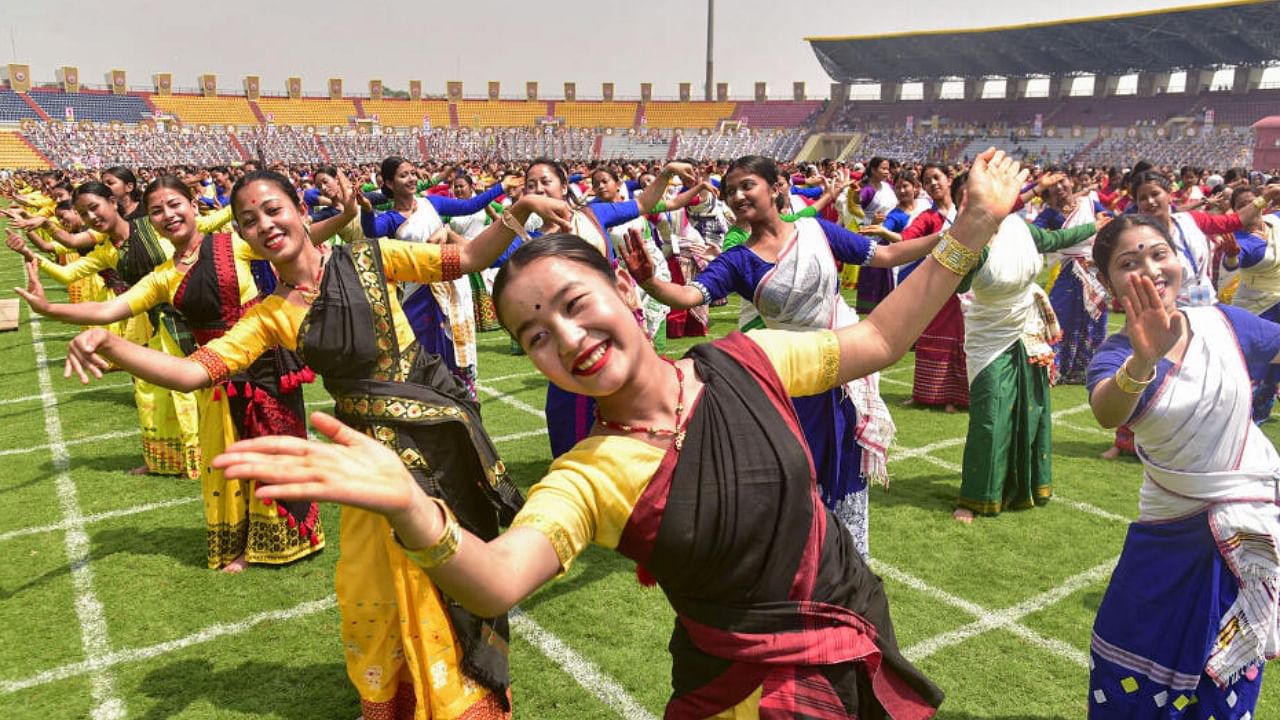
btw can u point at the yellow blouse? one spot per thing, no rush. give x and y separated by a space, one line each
589 492
103 256
275 320
161 284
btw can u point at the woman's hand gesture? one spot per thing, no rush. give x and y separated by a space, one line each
15 243
557 215
1153 330
995 179
636 257
34 294
354 470
82 354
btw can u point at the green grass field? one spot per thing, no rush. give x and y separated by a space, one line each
107 609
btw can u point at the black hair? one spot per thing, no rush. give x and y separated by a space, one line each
1104 245
65 205
756 165
607 171
555 166
329 170
387 171
167 182
906 174
559 245
874 163
126 176
1238 197
93 187
957 188
1148 176
270 176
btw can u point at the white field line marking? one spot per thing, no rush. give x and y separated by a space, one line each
93 623
115 435
1086 429
893 381
1007 619
510 400
104 662
90 519
1091 509
64 393
583 671
513 376
520 435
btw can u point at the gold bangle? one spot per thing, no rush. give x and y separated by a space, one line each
954 256
1126 383
444 548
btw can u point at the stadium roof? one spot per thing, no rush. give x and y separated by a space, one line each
1201 36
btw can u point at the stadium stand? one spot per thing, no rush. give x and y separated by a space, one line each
776 113
640 146
16 153
68 146
213 111
307 111
358 148
96 105
282 145
499 113
408 113
595 113
13 109
781 144
667 114
1218 149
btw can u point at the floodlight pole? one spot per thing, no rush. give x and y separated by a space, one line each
711 14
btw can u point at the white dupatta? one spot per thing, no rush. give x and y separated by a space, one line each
1008 305
801 292
1200 450
454 296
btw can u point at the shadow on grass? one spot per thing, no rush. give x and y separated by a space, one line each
934 493
590 567
944 715
52 575
24 484
254 688
186 545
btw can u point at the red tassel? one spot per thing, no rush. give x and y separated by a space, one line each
314 541
286 383
291 522
260 395
267 501
643 576
231 390
308 375
281 511
217 394
248 390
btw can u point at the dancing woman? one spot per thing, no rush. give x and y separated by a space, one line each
1076 295
787 272
1254 251
209 282
1190 614
442 314
697 470
336 309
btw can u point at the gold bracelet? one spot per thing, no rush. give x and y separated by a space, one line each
444 548
1126 383
954 256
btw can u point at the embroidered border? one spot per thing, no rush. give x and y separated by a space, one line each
554 532
829 360
389 407
384 330
212 363
450 262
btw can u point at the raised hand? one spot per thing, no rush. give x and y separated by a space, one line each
82 355
34 294
995 179
354 470
1153 329
682 170
636 257
557 215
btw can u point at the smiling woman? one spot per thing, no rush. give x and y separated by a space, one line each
337 310
697 470
1190 611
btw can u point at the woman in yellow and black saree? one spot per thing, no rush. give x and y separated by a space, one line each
335 308
697 469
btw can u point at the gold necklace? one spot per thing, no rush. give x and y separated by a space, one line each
309 293
188 257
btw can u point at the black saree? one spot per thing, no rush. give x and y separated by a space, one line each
409 401
768 589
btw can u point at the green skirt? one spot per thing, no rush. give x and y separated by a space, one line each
1007 454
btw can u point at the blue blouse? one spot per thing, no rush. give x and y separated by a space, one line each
385 224
740 270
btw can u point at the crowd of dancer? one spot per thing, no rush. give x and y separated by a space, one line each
737 477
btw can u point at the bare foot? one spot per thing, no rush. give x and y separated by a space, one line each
909 402
140 470
949 408
237 565
1112 453
963 515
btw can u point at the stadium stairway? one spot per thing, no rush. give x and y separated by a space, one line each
34 107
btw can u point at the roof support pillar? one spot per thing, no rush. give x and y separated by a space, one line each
1152 83
1246 80
1104 86
973 88
1199 80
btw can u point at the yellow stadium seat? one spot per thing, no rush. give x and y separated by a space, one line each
596 113
667 114
407 113
212 111
14 153
500 113
307 111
